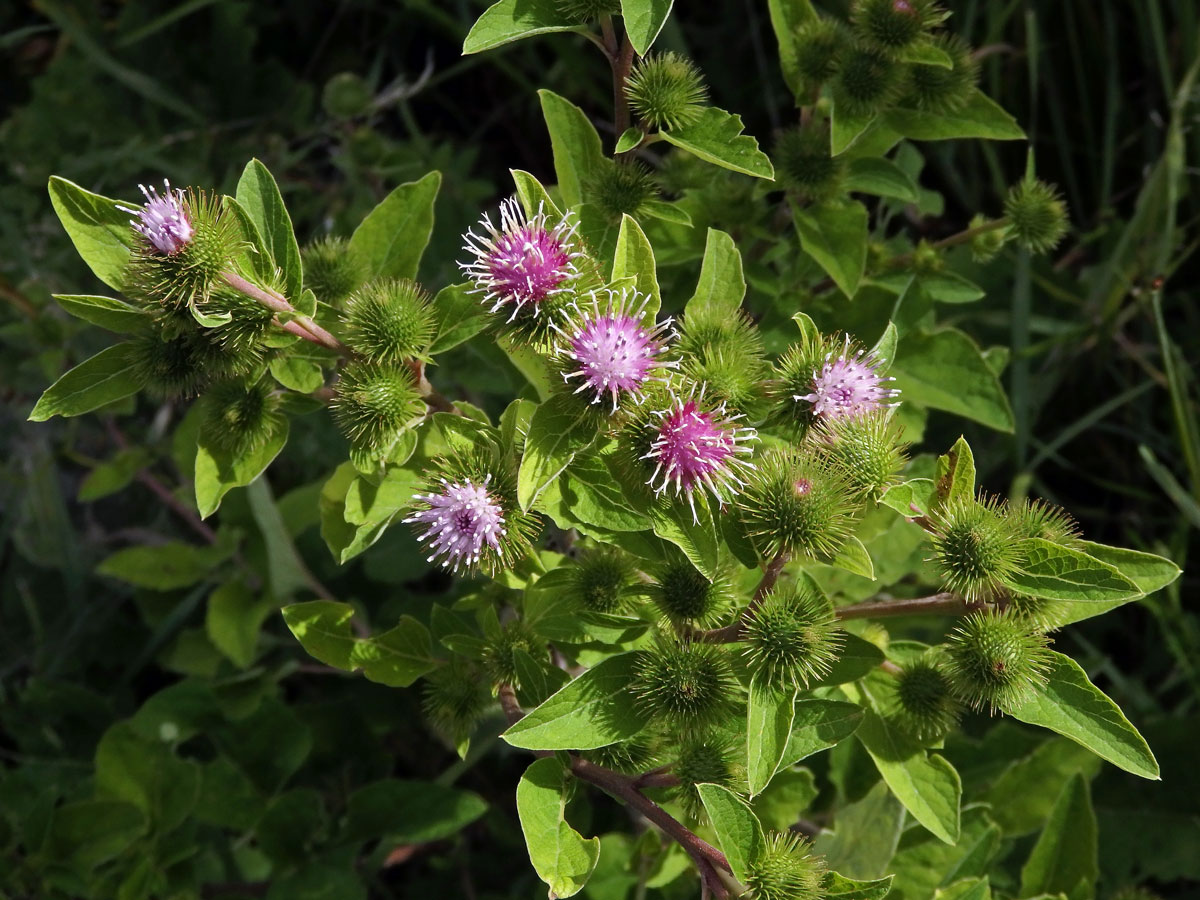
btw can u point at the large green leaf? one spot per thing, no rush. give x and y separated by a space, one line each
722 285
511 20
578 154
219 471
634 258
946 370
411 812
1071 705
1149 572
107 312
865 835
143 771
838 888
258 195
769 718
1058 573
981 117
100 231
835 235
644 19
110 375
787 16
560 855
739 833
460 316
819 724
594 710
956 473
560 428
881 177
856 659
164 567
926 784
233 620
1065 859
391 240
695 535
345 539
716 137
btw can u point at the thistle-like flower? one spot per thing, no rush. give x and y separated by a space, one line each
163 220
848 384
524 262
463 521
613 350
698 445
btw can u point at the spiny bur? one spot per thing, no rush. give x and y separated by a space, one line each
786 869
621 188
1037 215
817 46
866 449
685 596
708 758
923 702
790 639
598 579
895 24
996 661
389 321
240 416
795 502
804 164
685 685
666 90
975 547
868 80
331 271
373 403
455 697
944 90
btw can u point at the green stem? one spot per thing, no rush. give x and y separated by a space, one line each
943 603
731 633
293 322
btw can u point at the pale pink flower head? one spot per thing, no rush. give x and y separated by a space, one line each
848 384
612 350
463 521
163 219
699 446
524 261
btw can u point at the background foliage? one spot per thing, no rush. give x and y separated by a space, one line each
295 769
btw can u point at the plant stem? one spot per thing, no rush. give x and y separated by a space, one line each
943 603
294 323
708 859
621 65
731 633
953 240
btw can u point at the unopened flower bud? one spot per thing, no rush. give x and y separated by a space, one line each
868 81
621 188
818 43
455 697
666 90
940 89
389 321
240 417
685 685
331 271
786 869
791 639
685 596
804 164
975 548
1036 214
996 660
866 449
923 701
894 24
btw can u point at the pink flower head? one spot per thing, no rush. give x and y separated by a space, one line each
463 522
524 261
698 446
163 219
614 351
848 385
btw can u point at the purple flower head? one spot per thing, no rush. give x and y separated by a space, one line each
163 219
614 350
524 261
463 522
699 446
848 385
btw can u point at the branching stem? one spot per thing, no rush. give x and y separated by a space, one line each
287 317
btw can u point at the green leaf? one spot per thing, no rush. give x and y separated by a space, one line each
592 711
460 316
739 834
87 833
297 373
791 791
114 475
881 177
560 428
981 117
578 154
696 537
845 129
835 235
946 370
787 16
885 348
1149 572
232 621
629 140
286 572
924 53
1058 573
100 231
218 471
768 730
966 889
164 567
838 888
865 836
722 284
818 725
110 375
560 855
397 658
1069 704
950 287
115 315
391 240
533 194
644 19
259 196
145 773
857 658
956 473
370 501
410 812
1065 859
854 557
927 785
511 20
667 212
716 137
634 258
345 539
902 497
1023 795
